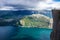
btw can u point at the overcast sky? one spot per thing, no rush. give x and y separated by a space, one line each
37 4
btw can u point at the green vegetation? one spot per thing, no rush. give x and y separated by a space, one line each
33 21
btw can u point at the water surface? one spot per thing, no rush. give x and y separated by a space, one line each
33 34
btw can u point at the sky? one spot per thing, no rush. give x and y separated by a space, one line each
34 4
57 0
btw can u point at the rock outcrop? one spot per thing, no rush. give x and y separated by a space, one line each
55 35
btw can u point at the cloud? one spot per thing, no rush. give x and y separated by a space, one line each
55 5
20 2
7 8
33 4
48 5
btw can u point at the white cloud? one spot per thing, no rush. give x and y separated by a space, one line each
7 8
35 4
31 3
48 4
56 5
42 5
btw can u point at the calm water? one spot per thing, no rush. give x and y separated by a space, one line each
33 34
25 33
6 32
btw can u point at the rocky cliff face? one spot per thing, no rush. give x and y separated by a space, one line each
55 35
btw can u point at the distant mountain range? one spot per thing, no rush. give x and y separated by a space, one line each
16 11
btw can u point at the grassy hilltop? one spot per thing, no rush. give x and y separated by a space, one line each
35 21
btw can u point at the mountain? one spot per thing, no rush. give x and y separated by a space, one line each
14 12
21 10
21 13
35 20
